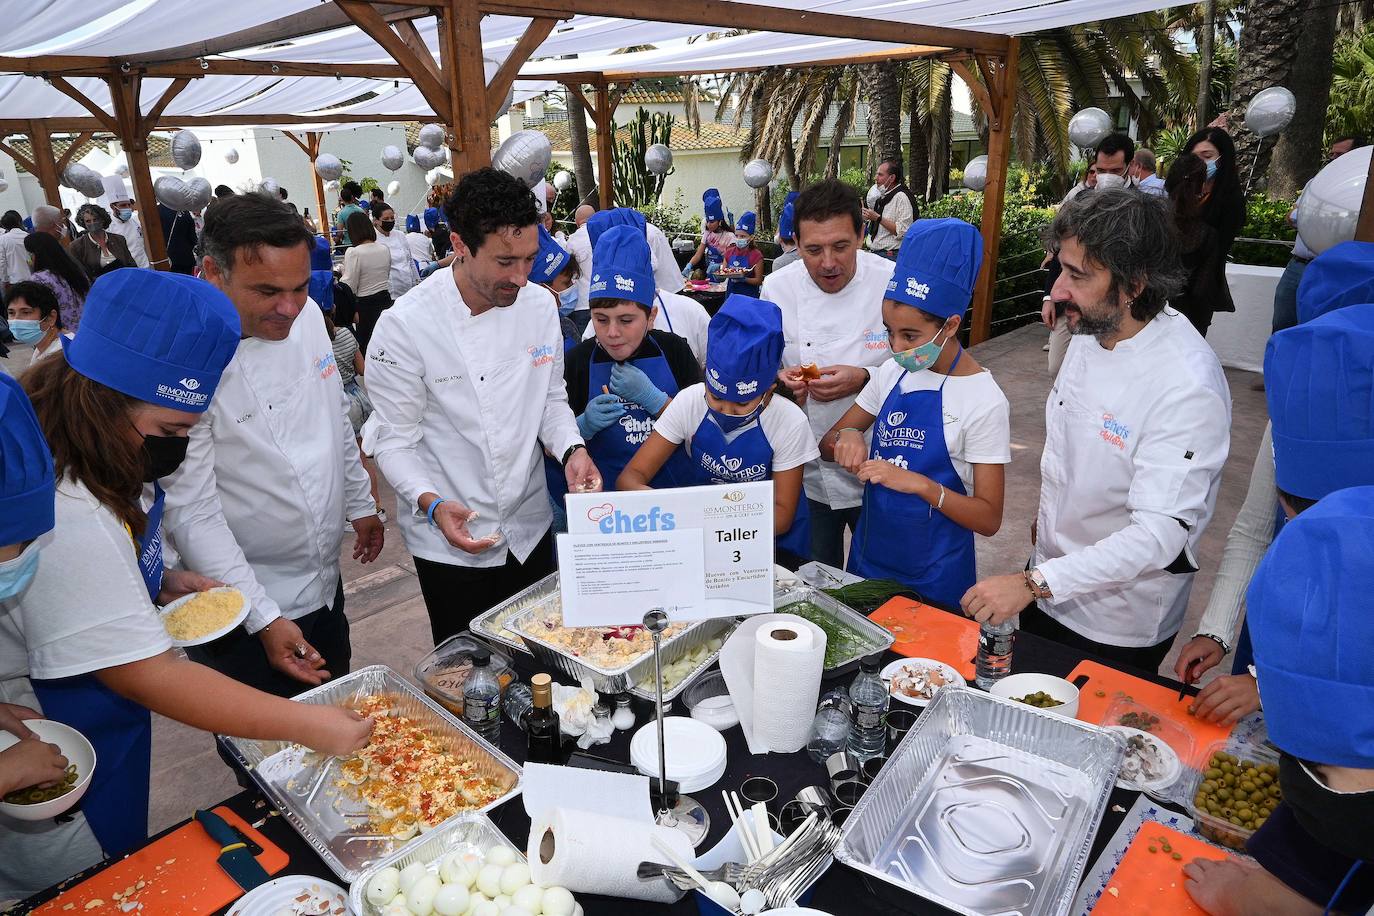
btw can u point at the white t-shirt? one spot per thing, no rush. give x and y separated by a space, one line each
977 415
87 608
783 423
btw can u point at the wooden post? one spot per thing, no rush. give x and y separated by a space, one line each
1364 227
605 144
45 163
467 87
133 134
1000 77
311 147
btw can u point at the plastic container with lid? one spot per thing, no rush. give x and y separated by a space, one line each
443 672
1223 829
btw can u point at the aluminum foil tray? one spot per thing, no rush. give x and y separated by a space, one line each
873 638
491 625
605 680
468 831
720 628
987 806
302 784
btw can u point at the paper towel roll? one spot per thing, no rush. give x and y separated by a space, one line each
594 853
787 677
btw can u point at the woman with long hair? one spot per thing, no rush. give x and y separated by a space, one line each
367 272
1204 262
116 406
1222 208
59 272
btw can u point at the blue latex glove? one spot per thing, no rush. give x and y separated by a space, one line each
601 412
687 272
632 384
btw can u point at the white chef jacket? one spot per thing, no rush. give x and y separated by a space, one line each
679 315
14 258
832 329
464 407
403 275
271 474
1135 440
666 273
421 247
132 232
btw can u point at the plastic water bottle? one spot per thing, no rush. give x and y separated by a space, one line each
482 699
517 702
869 695
830 729
994 652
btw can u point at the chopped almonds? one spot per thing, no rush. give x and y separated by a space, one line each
206 613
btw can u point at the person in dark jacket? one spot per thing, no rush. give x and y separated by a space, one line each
179 234
1223 208
1204 262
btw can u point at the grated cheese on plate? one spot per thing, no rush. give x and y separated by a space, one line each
205 613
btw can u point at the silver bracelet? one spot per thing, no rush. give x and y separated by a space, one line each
941 504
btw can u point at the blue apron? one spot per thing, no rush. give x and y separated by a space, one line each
120 730
901 536
714 260
740 258
746 458
614 446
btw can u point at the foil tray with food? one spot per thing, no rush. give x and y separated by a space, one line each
421 768
849 635
986 806
492 625
686 659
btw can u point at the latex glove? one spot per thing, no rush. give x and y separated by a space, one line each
601 412
632 384
687 272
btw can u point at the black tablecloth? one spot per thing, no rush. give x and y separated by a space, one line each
840 891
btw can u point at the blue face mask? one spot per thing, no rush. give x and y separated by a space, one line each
741 243
26 330
123 215
728 423
16 574
567 301
1211 169
920 357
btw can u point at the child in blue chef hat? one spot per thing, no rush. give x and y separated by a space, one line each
787 233
744 256
716 237
732 429
556 270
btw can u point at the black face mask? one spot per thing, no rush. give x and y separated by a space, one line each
1339 820
388 224
162 455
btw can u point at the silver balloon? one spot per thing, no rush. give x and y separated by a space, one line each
269 186
199 193
432 136
393 158
1089 127
976 173
1270 111
393 189
758 172
427 158
658 159
83 180
563 180
172 193
122 170
490 67
328 166
231 155
185 149
331 186
1330 204
526 154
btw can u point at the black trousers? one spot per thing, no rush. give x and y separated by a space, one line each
1146 658
370 308
456 594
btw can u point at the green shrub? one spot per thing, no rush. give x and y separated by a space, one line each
674 219
1265 218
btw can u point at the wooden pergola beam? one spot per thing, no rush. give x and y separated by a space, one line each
411 36
133 127
605 144
24 162
10 126
460 35
45 162
500 84
106 120
1000 75
419 67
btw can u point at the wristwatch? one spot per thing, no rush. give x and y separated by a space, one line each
1035 580
569 453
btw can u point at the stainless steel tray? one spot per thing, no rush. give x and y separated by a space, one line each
470 830
720 628
987 806
491 625
605 680
301 783
873 639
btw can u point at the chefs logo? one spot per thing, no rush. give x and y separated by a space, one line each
184 393
917 290
610 520
624 284
636 431
326 365
746 387
875 340
1114 432
897 461
541 355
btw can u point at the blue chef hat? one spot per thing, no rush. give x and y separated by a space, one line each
747 222
621 267
550 260
711 203
26 476
743 348
160 337
412 222
431 217
787 219
602 220
937 266
1308 606
1319 381
319 254
1340 276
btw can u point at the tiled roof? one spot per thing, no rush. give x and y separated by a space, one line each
159 148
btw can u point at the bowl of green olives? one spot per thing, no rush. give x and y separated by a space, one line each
1043 691
35 803
1234 793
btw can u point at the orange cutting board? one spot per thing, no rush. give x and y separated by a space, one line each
180 874
1162 700
928 632
1148 883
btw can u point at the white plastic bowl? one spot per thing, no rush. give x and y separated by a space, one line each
75 748
1020 685
695 751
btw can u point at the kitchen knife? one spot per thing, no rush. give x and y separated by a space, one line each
234 856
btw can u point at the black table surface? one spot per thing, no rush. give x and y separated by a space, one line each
840 891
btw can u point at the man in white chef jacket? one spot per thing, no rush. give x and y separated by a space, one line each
832 321
272 473
1137 428
120 202
465 373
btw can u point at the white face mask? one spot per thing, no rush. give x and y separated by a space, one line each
1106 181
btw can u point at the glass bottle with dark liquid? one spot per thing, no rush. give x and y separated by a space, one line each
543 738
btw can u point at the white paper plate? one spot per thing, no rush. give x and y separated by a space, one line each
695 750
1172 765
279 896
208 637
891 670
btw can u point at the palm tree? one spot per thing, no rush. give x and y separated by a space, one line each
1267 53
1352 86
927 98
1298 153
581 148
884 96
